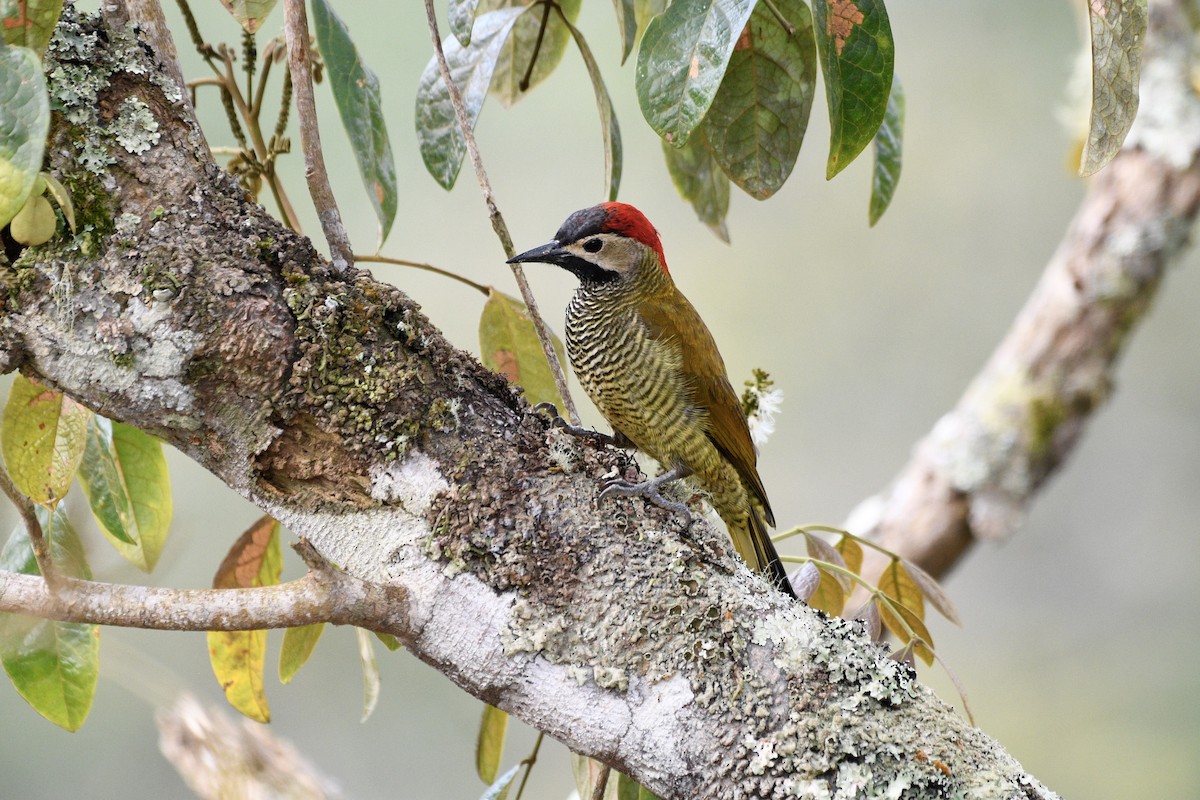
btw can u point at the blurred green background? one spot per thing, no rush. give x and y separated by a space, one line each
1078 647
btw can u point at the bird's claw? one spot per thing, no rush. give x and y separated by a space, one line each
648 490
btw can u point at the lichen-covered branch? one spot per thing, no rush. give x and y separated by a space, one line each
980 467
327 399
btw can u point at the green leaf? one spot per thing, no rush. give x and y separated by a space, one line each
360 105
53 665
471 67
24 123
682 60
889 142
30 23
629 789
489 745
298 646
125 478
699 179
249 13
499 789
610 132
462 18
857 54
390 642
627 24
370 668
758 118
43 435
508 344
1118 29
62 197
512 64
238 657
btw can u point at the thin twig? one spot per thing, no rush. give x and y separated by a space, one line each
400 262
24 506
529 761
296 29
780 18
498 225
601 782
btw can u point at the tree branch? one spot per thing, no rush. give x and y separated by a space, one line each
296 29
324 595
327 399
975 474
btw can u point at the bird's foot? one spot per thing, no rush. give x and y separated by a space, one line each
578 431
649 490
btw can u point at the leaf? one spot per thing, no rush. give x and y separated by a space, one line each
806 580
682 61
125 478
897 584
360 105
851 552
857 53
888 612
370 668
30 23
390 642
250 13
869 614
62 197
932 591
489 745
42 435
829 597
461 14
889 142
53 665
1118 29
587 773
24 123
629 789
760 113
627 24
610 131
499 789
699 180
298 646
822 550
508 344
512 63
471 68
238 657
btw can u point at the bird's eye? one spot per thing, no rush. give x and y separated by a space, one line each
593 245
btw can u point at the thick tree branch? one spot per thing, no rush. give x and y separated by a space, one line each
981 466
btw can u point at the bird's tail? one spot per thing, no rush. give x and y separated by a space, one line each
753 541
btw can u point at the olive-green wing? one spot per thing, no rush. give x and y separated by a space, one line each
704 372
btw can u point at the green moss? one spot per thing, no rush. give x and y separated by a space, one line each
1046 413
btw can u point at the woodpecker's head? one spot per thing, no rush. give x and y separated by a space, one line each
608 242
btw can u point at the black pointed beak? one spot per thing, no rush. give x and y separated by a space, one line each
549 253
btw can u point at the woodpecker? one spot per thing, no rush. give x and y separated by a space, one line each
646 359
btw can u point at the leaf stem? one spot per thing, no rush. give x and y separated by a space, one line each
401 262
296 30
498 225
780 18
37 540
537 46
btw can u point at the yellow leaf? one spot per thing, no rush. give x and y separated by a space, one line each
238 657
508 344
489 747
897 584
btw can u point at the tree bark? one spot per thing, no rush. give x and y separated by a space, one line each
327 399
